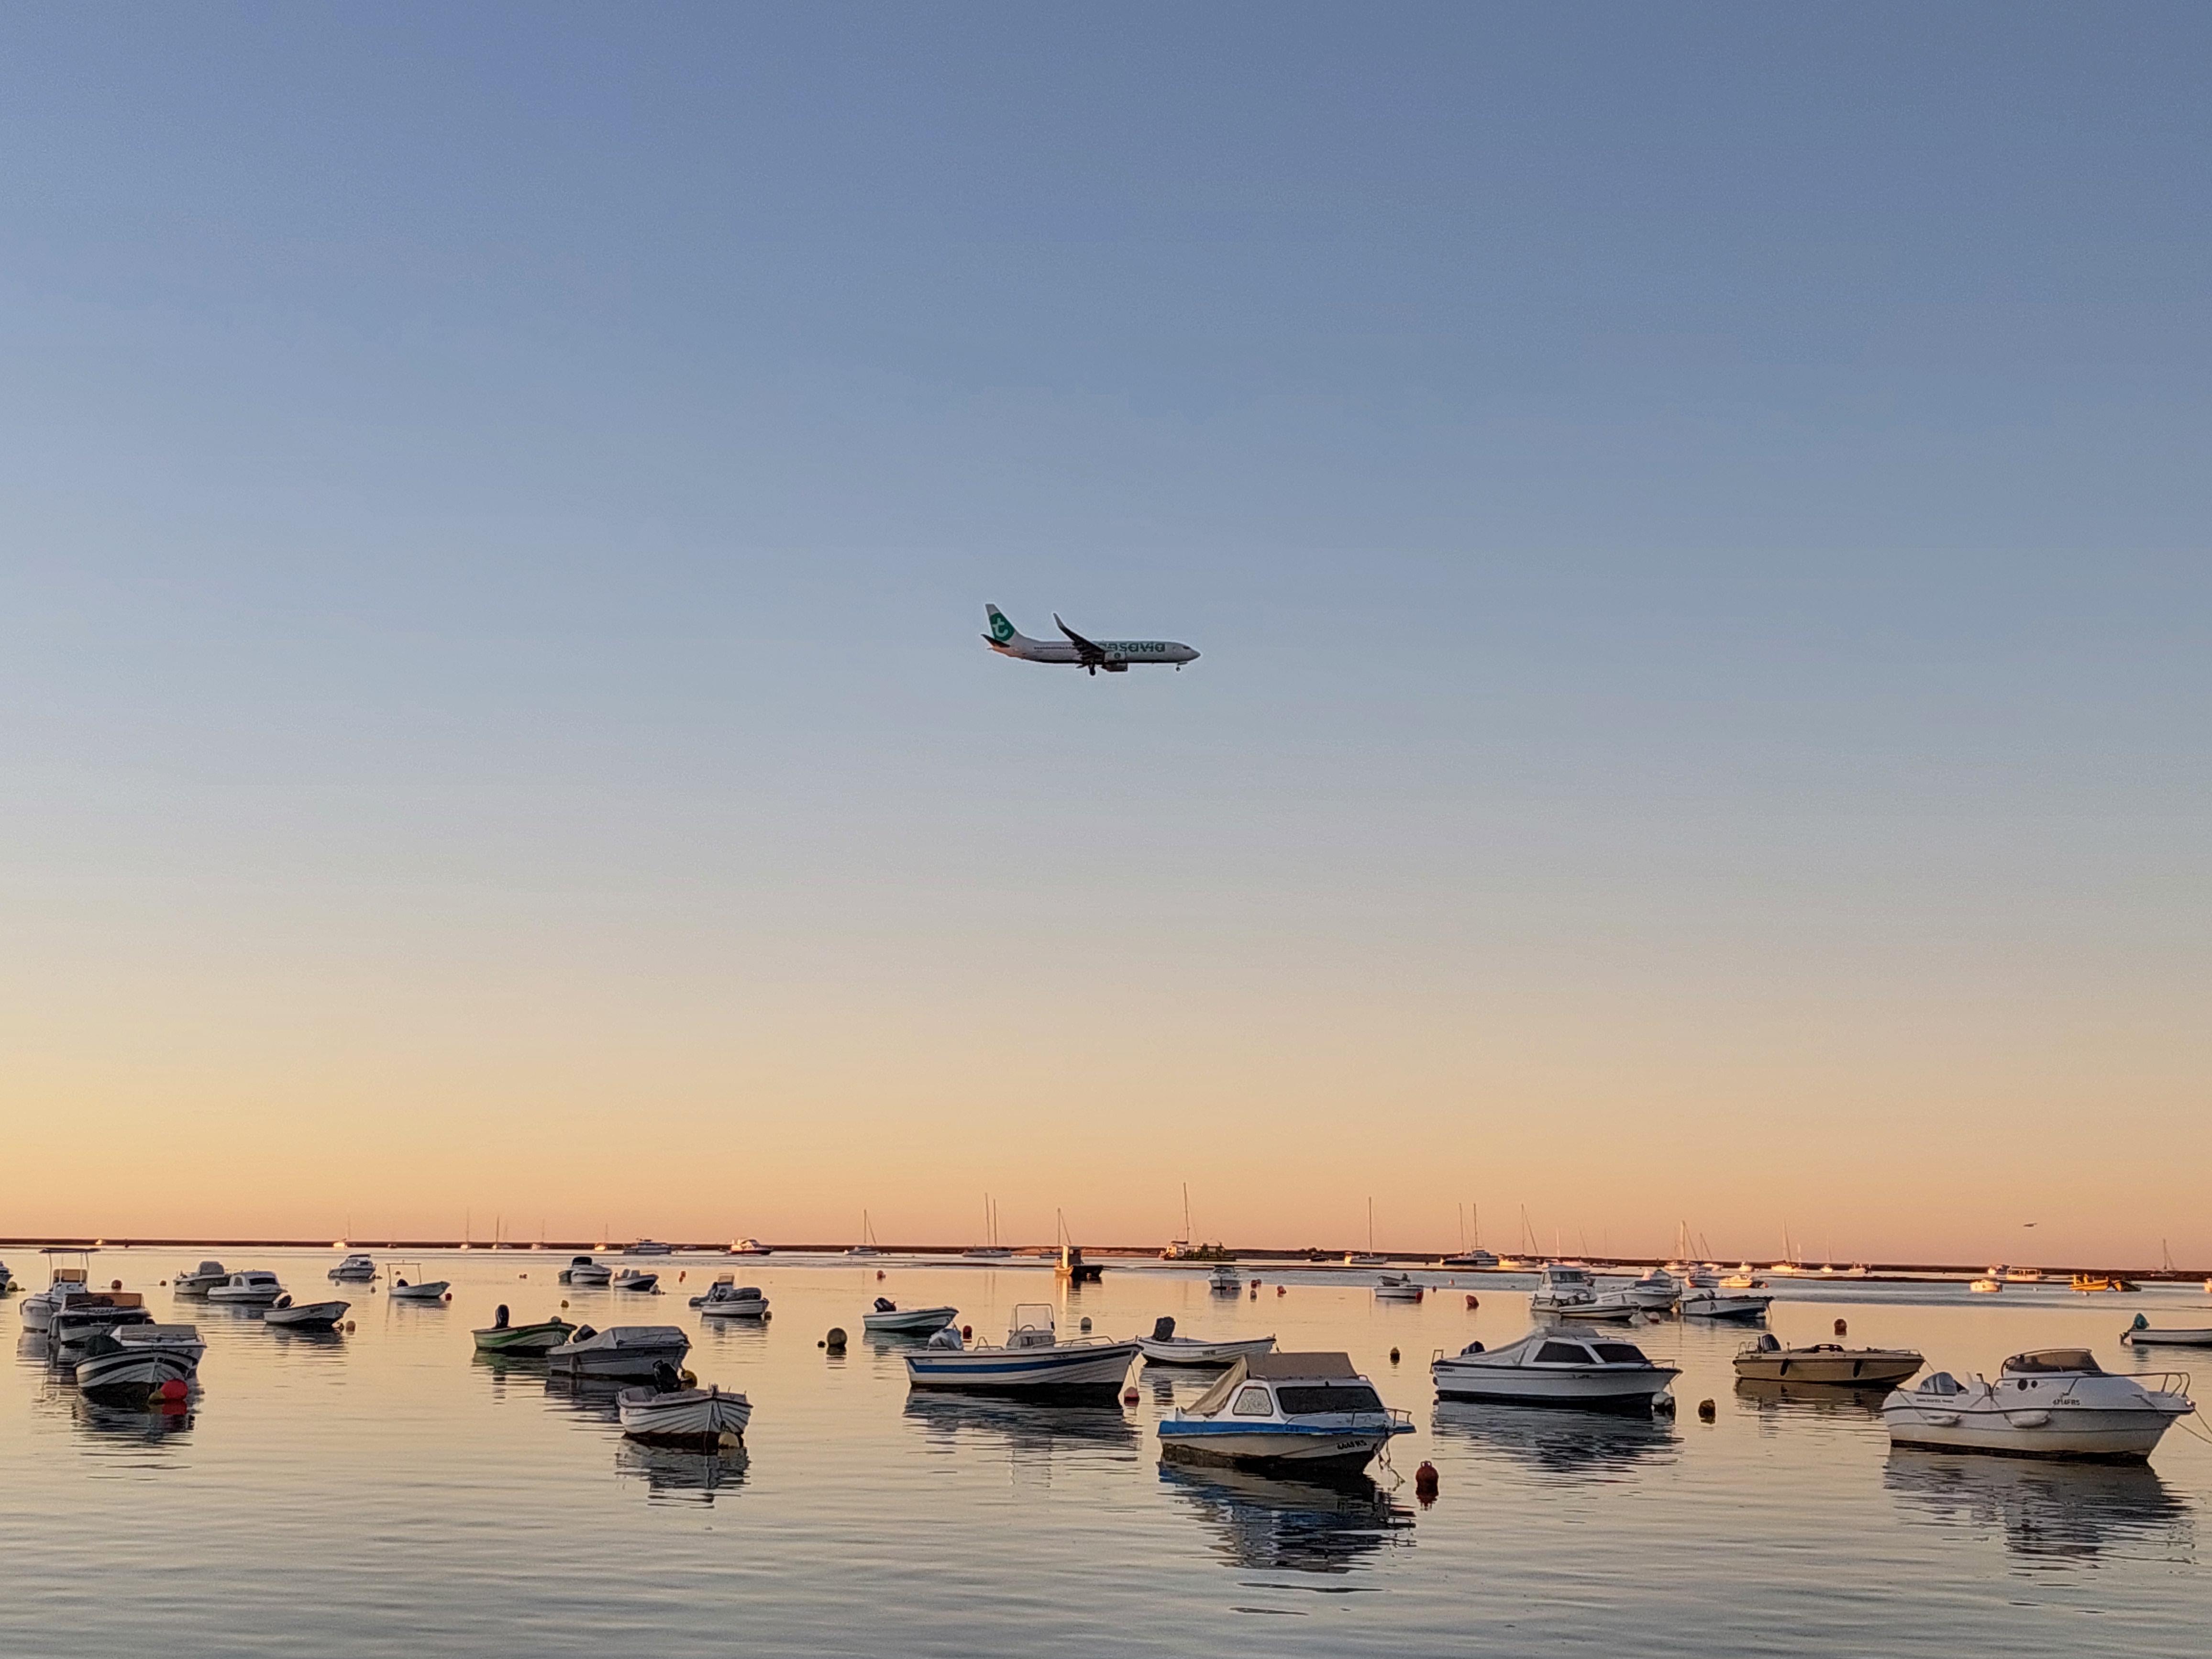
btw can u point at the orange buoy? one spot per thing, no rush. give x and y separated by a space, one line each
1425 1483
1473 1300
880 1273
1279 1290
1704 1411
1394 1356
1842 1329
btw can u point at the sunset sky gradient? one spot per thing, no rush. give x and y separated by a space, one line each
1696 520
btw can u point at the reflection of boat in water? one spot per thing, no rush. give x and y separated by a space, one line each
1817 1398
1305 1525
1563 1441
668 1472
2045 1509
133 1422
1022 1426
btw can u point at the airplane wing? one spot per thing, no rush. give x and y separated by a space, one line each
1087 651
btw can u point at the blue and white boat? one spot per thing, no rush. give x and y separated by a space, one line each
1033 1364
1285 1411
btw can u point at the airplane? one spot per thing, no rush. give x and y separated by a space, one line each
1115 656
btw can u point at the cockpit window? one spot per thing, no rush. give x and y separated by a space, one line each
2046 1360
1253 1403
1620 1353
1305 1399
1562 1353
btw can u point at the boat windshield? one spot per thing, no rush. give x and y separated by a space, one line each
1620 1353
1562 1353
1306 1399
2045 1361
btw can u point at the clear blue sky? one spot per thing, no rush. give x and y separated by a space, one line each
1696 517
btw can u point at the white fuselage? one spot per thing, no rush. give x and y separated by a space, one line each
1118 653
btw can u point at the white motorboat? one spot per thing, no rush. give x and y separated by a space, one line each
116 1371
1725 1304
1567 1291
1656 1291
651 1247
201 1279
1033 1363
1364 1258
750 1247
620 1351
888 1318
1398 1287
583 1271
1227 1280
286 1314
1826 1365
2147 1334
251 1289
182 1340
709 1420
727 1299
356 1269
1308 1412
416 1289
636 1279
77 1319
62 1281
1165 1347
2052 1402
1745 1278
1564 1365
1986 1286
1479 1258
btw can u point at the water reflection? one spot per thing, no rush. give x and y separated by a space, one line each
1297 1525
151 1426
682 1476
1576 1444
599 1399
2051 1513
1026 1428
1780 1395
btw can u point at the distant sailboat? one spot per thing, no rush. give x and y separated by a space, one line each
992 1250
867 1244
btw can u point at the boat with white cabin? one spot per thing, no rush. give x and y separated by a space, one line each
584 1272
201 1279
1165 1347
1032 1364
1561 1365
727 1299
637 1278
68 1273
1568 1290
1656 1291
620 1351
252 1288
1227 1280
1293 1411
356 1269
1399 1287
651 1247
2049 1402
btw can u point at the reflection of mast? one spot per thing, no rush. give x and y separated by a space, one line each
1371 1226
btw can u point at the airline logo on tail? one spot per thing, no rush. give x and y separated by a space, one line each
1115 656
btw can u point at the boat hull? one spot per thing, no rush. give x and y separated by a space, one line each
1848 1371
537 1339
632 1358
1190 1351
1273 1446
909 1321
1722 1305
747 1310
702 1418
2082 1435
1068 1370
2152 1337
306 1315
130 1376
1594 1388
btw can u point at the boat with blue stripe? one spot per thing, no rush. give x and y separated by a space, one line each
1285 1411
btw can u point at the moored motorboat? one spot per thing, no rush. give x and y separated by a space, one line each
583 1271
1725 1304
77 1319
356 1269
201 1279
502 1336
2089 1282
7 1280
1567 1291
1227 1280
620 1351
727 1299
1656 1291
750 1247
1986 1285
637 1278
286 1314
1033 1363
121 1373
887 1318
1827 1363
63 1280
651 1247
2144 1333
416 1289
1310 1411
1165 1347
1564 1365
1398 1287
181 1341
2051 1402
668 1414
252 1288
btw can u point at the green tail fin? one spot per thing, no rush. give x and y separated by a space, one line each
1001 630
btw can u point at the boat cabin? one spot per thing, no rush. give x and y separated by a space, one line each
2053 1362
1287 1385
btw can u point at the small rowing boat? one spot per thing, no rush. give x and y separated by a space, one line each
518 1342
1165 1347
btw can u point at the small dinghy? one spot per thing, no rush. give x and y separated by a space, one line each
418 1289
1565 1366
1165 1347
636 1279
727 1299
582 1270
1826 1363
887 1318
669 1414
1725 1304
1306 1412
2144 1333
621 1351
286 1314
535 1342
114 1372
2052 1402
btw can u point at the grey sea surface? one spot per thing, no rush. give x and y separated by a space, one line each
384 1493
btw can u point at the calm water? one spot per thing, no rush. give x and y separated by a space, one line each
385 1493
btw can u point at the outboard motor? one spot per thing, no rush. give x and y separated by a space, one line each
499 1318
947 1337
1472 1347
1163 1328
666 1379
884 1304
1769 1343
582 1333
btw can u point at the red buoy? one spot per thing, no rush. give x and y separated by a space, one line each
880 1273
174 1389
1842 1329
1279 1290
967 1332
1425 1483
1471 1301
